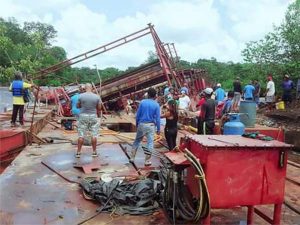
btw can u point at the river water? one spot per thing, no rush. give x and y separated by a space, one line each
5 99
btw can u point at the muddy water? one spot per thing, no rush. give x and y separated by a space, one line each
5 99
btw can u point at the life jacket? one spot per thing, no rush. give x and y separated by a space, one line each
17 88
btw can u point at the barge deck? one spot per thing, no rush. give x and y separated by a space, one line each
41 185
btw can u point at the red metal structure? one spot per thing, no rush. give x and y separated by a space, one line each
239 172
11 143
166 53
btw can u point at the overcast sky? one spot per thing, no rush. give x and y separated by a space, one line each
199 28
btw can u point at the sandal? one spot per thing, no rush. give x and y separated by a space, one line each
95 154
78 155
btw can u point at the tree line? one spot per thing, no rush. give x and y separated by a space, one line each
29 48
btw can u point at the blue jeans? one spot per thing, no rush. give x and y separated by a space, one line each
144 129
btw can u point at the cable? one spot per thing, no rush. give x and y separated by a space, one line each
177 201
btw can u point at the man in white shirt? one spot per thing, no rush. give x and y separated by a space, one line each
270 91
184 101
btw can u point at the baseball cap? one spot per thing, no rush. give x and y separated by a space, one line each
218 85
208 91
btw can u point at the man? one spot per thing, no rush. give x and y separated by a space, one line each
170 94
257 91
74 100
287 86
90 105
228 103
248 92
18 87
270 92
237 89
184 101
206 121
147 117
220 93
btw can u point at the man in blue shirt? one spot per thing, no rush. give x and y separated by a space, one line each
74 100
287 86
220 93
249 90
147 118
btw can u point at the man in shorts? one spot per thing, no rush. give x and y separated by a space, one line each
90 105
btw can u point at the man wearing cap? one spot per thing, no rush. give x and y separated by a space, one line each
270 92
287 86
220 93
184 101
147 118
206 121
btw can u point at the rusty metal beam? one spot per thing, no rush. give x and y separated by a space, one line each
93 52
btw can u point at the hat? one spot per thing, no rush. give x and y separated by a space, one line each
208 91
183 92
218 85
287 76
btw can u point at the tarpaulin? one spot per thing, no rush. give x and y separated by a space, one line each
133 198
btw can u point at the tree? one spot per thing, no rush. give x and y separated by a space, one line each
279 51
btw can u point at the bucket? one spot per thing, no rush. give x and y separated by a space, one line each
248 113
280 105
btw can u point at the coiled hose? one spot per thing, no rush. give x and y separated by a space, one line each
178 203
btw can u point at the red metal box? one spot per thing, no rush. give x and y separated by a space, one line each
239 171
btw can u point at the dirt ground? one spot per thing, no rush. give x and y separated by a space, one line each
289 118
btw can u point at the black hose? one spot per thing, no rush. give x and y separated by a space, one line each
177 202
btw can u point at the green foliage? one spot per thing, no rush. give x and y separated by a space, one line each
279 52
27 49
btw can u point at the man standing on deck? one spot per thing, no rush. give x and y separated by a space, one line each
18 87
90 105
270 92
237 88
287 86
257 91
147 118
248 92
74 100
206 122
220 93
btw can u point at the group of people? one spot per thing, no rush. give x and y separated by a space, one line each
252 91
86 107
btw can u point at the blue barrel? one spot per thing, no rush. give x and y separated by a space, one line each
234 126
248 113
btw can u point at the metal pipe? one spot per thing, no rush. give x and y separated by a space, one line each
32 118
